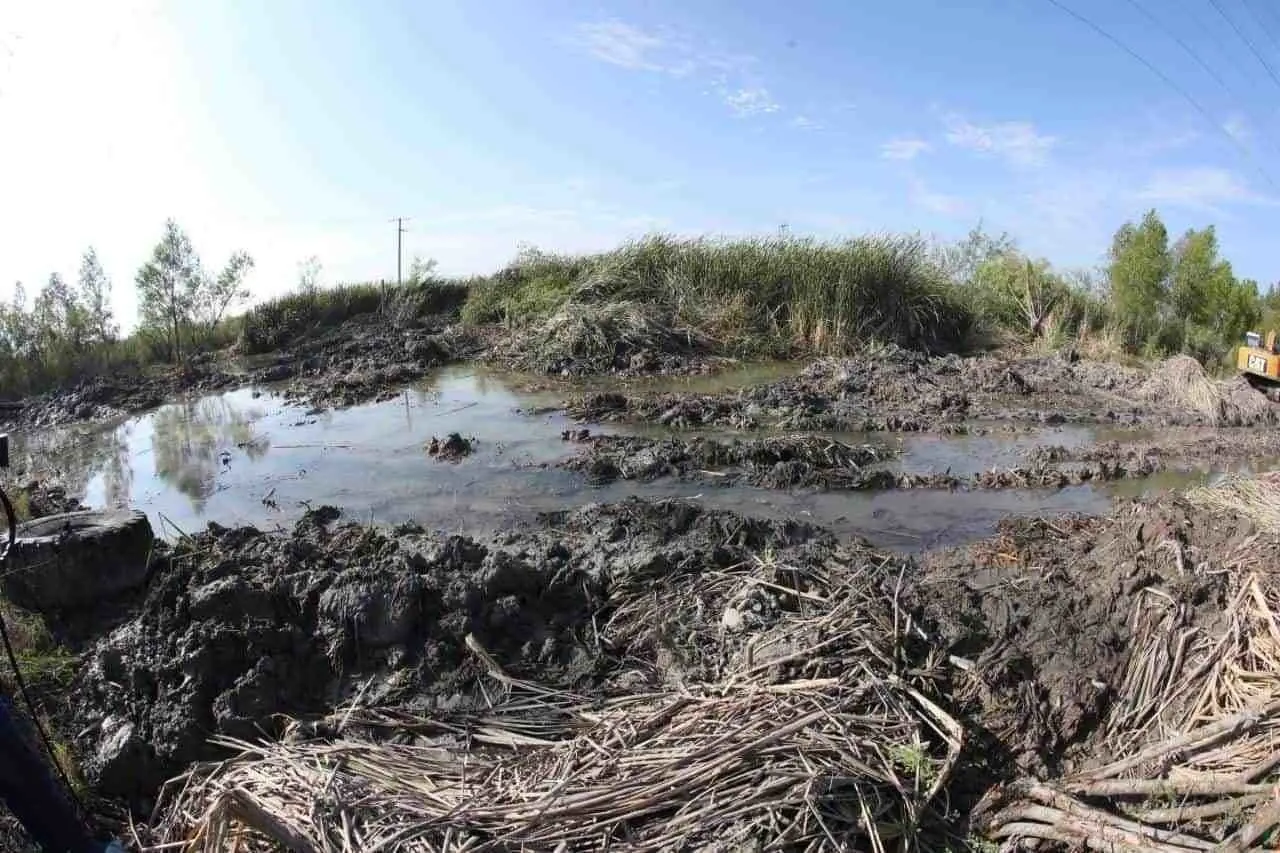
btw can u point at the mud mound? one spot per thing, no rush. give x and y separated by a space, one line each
102 398
1043 611
1182 383
816 462
240 625
775 462
885 389
774 703
1184 758
454 448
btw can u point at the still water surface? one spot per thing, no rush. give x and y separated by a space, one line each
245 458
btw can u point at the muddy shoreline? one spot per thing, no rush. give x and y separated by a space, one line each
239 626
1027 659
882 389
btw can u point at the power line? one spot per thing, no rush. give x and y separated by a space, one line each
1200 61
1168 81
1257 19
1185 47
1267 65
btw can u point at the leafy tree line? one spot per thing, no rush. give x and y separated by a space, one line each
68 331
1153 296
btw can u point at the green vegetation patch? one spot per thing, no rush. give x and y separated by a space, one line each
763 296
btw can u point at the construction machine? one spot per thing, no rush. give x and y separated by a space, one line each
1259 363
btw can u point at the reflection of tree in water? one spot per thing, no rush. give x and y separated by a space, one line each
70 457
191 437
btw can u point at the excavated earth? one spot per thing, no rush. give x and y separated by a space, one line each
813 462
889 389
236 626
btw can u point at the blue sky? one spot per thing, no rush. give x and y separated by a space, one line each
293 128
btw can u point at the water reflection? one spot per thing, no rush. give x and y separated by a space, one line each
194 442
69 457
240 459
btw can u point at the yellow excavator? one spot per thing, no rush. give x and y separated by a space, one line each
1259 363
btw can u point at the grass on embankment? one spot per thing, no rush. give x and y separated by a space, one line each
745 297
280 322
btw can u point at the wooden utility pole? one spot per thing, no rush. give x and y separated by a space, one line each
399 221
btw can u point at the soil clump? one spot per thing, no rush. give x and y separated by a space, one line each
888 389
815 462
238 625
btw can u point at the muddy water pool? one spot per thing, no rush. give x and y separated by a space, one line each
248 457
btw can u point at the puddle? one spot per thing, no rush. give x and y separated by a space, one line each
239 459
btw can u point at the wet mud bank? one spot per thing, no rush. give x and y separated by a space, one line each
1042 653
804 461
895 390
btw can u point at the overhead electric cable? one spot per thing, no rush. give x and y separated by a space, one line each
1169 82
1249 42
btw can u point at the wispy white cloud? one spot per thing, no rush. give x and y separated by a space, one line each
628 46
1018 142
935 202
1205 187
729 77
803 122
750 101
904 149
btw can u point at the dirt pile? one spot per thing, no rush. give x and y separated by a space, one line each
896 390
1044 613
239 625
454 448
110 397
1052 682
816 462
367 361
796 461
773 701
1181 382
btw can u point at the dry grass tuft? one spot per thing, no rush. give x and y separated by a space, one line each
599 337
1254 497
814 732
1180 381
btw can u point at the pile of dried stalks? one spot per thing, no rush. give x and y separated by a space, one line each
1192 743
802 721
602 337
1255 497
1181 382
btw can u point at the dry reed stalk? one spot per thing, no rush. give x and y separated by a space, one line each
793 741
1181 381
1196 733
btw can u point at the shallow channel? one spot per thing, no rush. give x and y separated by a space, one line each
247 457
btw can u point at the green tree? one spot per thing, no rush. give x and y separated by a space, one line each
420 270
59 318
1201 284
211 297
94 295
1017 292
166 284
962 260
1138 270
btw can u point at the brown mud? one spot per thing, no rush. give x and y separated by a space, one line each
1027 637
888 389
801 461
